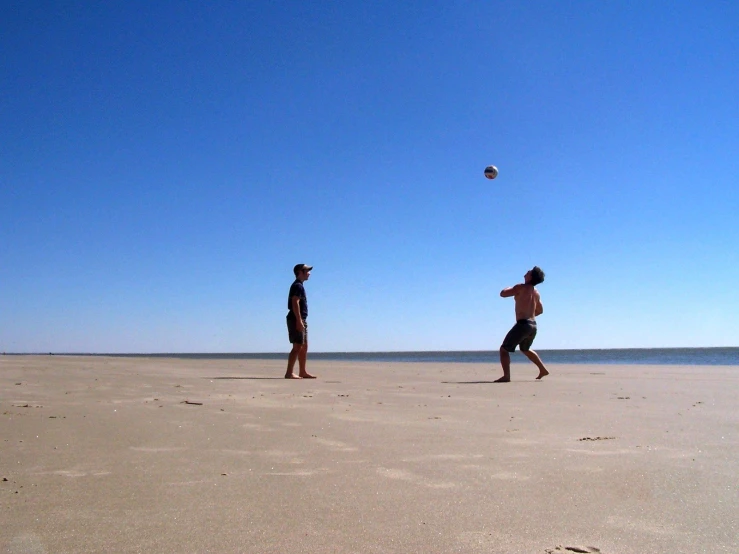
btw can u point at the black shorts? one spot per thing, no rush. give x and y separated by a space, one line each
521 334
296 337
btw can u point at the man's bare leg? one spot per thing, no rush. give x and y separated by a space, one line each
302 359
291 359
505 361
534 357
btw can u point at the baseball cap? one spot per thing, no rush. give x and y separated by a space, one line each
302 267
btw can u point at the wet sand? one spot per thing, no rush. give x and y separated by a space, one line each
175 455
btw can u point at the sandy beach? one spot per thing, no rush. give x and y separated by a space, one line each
105 454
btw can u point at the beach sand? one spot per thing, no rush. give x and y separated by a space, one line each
105 454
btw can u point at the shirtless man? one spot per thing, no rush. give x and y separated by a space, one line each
528 306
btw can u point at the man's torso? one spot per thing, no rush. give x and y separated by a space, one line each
527 298
297 289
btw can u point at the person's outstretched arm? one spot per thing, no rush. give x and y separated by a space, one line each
510 291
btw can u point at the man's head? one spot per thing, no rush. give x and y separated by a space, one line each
534 276
302 271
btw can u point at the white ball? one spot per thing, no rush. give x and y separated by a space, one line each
491 172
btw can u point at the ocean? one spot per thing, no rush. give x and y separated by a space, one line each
628 356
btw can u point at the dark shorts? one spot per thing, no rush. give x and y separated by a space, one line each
521 334
296 337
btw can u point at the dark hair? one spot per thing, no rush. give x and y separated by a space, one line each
537 275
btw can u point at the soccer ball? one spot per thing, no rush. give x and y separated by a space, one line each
491 172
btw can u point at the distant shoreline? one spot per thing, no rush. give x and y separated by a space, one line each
623 356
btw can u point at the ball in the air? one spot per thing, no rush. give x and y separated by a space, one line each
491 172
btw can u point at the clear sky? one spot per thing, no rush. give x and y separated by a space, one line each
163 165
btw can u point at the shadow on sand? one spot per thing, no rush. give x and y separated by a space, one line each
471 382
233 378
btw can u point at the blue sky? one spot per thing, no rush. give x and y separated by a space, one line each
163 165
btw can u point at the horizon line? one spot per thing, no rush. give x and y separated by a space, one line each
52 353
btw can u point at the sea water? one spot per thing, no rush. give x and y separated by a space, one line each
627 356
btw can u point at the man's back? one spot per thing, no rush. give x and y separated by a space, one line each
528 303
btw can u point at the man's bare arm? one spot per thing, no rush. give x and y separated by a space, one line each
295 303
510 291
539 308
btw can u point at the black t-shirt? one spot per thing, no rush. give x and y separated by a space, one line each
297 289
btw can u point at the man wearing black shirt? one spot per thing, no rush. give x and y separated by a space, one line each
297 326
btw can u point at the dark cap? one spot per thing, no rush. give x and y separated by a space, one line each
302 267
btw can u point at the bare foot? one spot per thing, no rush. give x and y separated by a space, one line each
542 373
503 380
291 376
307 376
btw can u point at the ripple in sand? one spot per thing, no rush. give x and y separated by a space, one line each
157 448
409 477
337 446
653 527
510 476
617 452
578 549
27 543
69 473
281 454
442 457
472 541
301 473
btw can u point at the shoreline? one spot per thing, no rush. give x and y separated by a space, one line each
187 455
614 356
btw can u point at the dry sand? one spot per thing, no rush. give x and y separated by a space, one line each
173 455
